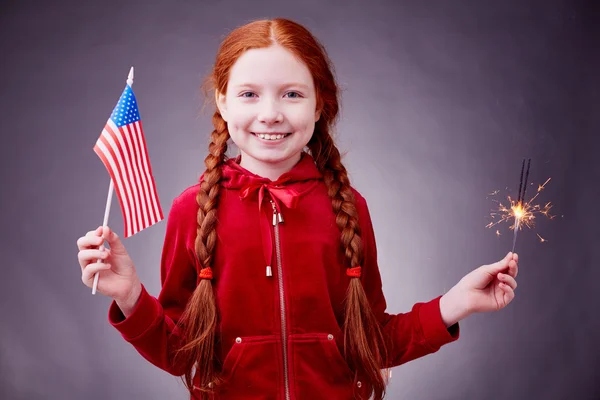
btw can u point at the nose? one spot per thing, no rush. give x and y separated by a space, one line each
269 112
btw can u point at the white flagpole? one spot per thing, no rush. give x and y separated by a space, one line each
109 198
104 224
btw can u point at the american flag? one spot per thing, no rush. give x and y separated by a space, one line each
122 148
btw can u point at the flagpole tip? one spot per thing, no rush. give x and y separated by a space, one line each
130 77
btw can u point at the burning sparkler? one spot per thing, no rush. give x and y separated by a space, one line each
520 212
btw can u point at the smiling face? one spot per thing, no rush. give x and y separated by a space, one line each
270 109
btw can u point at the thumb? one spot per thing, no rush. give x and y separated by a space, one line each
500 265
112 238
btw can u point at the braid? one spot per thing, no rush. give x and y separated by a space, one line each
199 319
208 195
364 345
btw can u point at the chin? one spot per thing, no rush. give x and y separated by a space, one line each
272 158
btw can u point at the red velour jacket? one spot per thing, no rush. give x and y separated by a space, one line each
279 277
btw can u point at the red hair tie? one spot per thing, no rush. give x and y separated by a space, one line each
206 273
353 272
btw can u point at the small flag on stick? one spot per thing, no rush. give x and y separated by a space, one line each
122 149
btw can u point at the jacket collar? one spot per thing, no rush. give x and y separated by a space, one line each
286 190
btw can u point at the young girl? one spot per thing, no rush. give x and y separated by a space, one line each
270 282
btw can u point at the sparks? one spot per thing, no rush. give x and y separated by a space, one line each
541 187
518 212
542 240
514 212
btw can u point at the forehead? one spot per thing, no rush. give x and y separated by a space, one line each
272 65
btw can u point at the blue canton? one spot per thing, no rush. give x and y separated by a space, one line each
126 110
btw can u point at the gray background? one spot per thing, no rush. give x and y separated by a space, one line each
441 101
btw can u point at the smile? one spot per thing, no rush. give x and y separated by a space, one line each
272 136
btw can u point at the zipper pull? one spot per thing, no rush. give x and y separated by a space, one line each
274 213
277 217
269 271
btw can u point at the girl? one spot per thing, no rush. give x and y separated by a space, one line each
270 284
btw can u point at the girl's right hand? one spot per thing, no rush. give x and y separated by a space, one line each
118 278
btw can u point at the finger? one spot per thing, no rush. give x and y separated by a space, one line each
506 258
508 280
113 239
91 255
87 275
108 234
516 257
509 294
500 265
88 242
512 268
92 239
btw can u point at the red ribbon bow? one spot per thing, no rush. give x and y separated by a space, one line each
286 195
283 194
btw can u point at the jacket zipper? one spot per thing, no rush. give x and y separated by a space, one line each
277 219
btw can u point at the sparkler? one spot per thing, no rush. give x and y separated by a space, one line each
520 212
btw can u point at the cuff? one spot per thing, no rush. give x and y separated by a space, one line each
145 313
434 330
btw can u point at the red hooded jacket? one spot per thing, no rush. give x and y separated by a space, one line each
280 282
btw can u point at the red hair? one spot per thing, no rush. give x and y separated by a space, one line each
364 346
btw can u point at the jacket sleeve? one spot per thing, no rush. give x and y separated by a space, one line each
408 335
151 328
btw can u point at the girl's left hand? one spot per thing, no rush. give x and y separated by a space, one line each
490 287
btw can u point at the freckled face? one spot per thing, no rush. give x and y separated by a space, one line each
270 107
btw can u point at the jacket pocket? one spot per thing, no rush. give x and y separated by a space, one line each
318 368
250 369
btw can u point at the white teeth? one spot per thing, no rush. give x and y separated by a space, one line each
269 137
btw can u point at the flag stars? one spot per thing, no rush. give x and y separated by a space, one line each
126 111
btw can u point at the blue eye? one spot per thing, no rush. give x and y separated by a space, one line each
245 93
297 95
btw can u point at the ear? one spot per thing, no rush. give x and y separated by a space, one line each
221 104
317 115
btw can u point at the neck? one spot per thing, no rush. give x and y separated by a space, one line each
269 170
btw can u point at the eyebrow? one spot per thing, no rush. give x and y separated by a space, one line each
252 85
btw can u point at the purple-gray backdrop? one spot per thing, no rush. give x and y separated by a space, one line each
441 101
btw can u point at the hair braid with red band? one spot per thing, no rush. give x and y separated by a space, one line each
364 344
201 326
